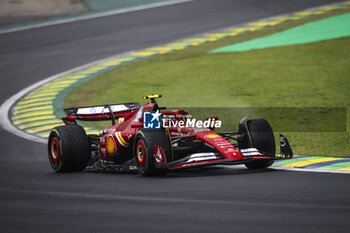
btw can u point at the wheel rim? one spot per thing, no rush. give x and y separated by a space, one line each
55 150
140 153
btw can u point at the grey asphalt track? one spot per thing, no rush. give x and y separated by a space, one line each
34 199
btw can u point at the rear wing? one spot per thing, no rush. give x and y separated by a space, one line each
98 113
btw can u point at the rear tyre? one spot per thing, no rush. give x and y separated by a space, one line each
68 148
152 151
261 138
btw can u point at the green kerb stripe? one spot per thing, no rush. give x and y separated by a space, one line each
334 166
290 161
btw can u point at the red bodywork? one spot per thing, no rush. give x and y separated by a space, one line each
117 140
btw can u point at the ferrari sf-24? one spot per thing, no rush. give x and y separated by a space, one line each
129 145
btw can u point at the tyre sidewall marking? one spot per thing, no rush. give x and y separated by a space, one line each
146 151
58 166
141 145
55 155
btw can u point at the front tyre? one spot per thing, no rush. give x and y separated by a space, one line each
68 148
152 151
261 137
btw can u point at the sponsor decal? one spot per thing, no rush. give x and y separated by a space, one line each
201 130
111 147
132 168
159 154
250 152
101 109
108 130
103 151
202 157
211 136
207 144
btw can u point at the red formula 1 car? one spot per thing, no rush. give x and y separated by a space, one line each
166 142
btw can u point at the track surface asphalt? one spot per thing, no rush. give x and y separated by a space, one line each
34 199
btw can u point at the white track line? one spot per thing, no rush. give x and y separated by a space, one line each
93 15
5 121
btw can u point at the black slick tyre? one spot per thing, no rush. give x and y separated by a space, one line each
148 144
68 148
261 137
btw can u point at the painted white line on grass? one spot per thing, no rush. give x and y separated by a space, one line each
93 15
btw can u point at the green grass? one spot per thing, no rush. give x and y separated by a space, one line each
298 77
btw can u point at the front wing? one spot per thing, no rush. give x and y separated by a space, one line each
213 158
